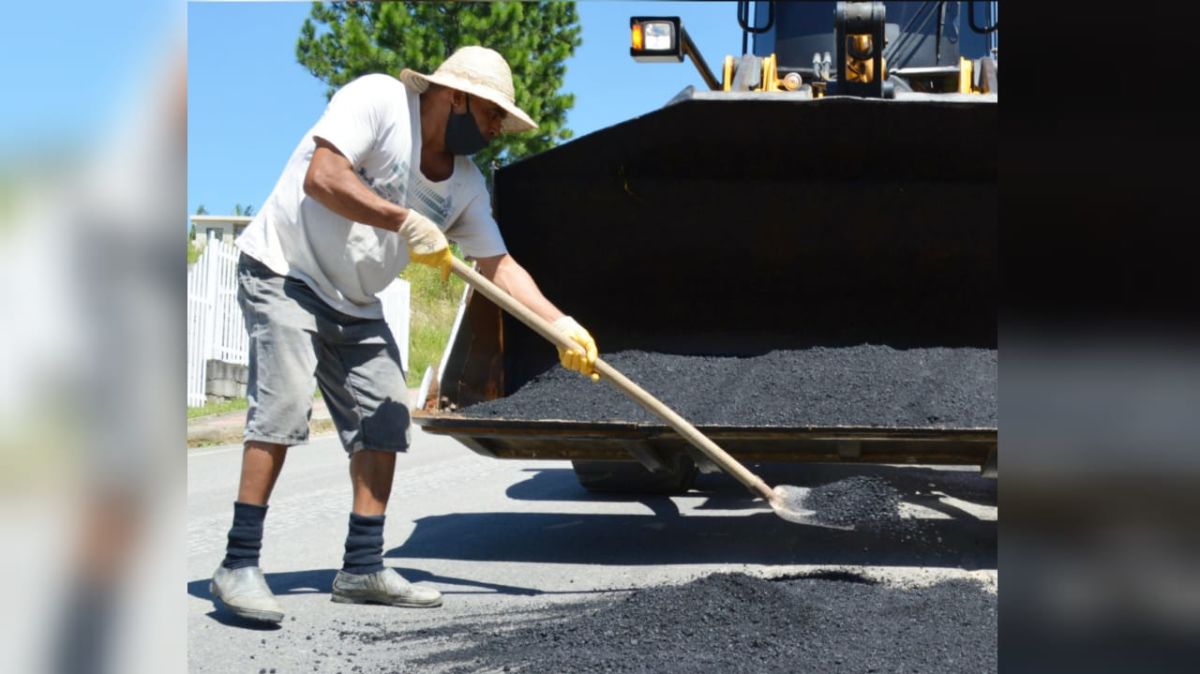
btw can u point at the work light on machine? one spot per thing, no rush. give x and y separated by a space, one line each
655 39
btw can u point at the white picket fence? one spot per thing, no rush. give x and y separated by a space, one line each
216 331
214 321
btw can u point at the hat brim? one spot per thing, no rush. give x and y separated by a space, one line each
514 122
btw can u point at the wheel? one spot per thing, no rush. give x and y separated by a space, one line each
632 476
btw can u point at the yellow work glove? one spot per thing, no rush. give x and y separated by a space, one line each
426 243
582 363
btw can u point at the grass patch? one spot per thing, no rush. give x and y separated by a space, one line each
217 408
227 406
433 305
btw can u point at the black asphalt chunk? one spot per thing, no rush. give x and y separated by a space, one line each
859 386
736 623
860 501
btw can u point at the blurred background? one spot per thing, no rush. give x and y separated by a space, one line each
92 151
1099 348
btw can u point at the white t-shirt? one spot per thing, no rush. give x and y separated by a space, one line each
375 122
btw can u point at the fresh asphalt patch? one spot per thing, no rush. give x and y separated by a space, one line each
728 622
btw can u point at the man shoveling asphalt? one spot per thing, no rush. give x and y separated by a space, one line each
381 179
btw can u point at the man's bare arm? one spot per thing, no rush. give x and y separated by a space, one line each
505 272
332 182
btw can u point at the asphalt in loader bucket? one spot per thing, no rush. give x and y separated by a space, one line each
740 227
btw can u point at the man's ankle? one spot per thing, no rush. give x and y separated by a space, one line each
245 536
364 544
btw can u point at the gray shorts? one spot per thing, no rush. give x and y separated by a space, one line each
295 338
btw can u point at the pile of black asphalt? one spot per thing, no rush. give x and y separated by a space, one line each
731 622
865 386
859 501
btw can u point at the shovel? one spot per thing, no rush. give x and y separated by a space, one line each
787 501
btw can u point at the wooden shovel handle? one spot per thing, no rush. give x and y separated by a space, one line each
608 372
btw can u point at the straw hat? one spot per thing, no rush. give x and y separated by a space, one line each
481 72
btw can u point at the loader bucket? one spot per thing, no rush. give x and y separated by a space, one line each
736 224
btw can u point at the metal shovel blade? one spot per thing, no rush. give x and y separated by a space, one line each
789 502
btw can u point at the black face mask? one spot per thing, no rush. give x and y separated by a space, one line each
462 133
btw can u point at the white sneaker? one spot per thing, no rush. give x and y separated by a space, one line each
382 587
244 591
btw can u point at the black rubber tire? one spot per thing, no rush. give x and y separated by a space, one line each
632 476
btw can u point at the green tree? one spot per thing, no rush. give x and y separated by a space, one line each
239 209
341 41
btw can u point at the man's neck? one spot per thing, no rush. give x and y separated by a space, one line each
436 163
433 130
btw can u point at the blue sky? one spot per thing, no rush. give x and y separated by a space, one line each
66 79
249 102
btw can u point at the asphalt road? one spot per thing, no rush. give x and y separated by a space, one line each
505 541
